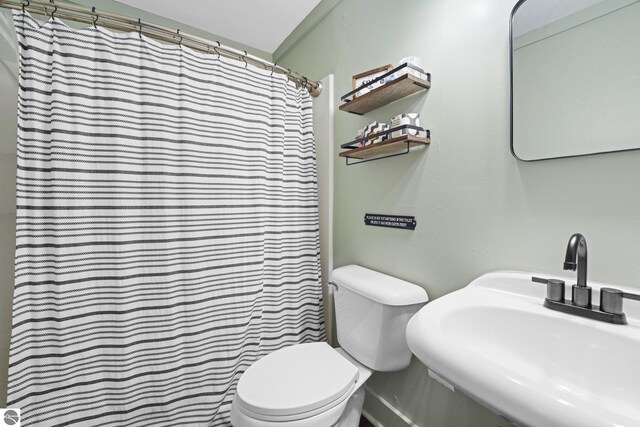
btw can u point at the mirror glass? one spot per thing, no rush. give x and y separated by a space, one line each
575 77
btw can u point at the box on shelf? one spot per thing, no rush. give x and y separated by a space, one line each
372 129
413 61
368 76
412 119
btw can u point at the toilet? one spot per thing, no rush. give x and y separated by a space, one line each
315 385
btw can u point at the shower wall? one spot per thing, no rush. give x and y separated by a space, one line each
323 136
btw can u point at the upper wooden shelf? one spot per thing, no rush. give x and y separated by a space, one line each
398 88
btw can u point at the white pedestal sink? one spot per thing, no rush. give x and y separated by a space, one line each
496 341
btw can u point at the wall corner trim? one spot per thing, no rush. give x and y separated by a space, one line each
312 19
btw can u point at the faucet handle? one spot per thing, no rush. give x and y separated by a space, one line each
555 288
634 297
611 300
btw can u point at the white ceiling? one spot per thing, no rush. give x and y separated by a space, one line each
262 24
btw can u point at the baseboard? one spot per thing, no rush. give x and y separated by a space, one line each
370 418
381 413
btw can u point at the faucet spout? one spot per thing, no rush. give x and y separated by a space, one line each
576 257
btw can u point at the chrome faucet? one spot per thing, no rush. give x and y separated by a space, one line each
576 258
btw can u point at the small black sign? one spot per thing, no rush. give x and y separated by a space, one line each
391 221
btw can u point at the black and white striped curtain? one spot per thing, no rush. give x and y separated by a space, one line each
167 230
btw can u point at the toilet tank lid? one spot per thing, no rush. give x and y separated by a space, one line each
378 287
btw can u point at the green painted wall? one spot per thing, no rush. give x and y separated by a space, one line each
478 208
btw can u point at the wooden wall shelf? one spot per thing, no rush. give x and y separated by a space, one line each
398 88
389 148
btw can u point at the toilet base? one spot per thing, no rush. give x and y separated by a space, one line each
351 415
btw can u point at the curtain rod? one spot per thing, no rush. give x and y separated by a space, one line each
73 12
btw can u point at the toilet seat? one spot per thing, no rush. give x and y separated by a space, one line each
296 382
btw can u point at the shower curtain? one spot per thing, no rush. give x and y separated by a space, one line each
167 228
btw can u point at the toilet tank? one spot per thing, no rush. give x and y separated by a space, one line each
372 310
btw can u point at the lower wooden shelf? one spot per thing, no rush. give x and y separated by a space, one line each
381 150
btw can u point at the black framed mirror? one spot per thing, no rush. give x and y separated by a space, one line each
575 77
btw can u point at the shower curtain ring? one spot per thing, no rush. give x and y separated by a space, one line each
180 42
139 28
244 58
216 49
272 68
95 19
25 5
55 9
95 15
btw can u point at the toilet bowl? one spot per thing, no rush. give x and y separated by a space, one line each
315 385
310 385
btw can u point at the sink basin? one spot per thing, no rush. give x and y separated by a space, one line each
496 341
